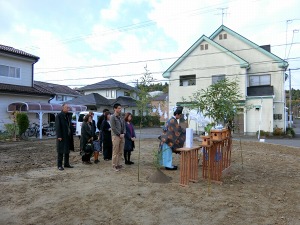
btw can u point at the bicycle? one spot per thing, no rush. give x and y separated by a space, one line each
49 130
33 129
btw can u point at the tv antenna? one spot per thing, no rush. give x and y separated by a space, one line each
223 13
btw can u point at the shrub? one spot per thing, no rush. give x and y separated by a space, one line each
263 133
147 121
290 132
277 131
23 122
11 129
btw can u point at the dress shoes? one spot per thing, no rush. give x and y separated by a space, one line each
60 168
173 168
69 166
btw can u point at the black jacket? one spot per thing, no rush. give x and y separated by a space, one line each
86 134
63 128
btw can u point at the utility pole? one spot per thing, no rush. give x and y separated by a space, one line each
290 97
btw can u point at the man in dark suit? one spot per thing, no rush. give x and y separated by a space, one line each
99 123
64 141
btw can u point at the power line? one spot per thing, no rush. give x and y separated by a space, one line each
197 78
194 12
175 70
142 61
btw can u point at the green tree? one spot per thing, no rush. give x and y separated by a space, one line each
23 122
142 104
219 101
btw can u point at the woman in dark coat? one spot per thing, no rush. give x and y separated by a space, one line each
64 141
129 139
107 141
86 137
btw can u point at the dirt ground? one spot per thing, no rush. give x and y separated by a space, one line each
263 187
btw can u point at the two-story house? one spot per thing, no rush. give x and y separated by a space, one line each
261 77
105 94
16 81
62 93
19 91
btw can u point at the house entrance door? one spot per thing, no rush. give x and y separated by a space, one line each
238 124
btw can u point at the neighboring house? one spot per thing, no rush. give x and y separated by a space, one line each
16 82
62 93
106 93
19 91
160 106
225 53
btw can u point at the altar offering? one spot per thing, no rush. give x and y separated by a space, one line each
189 138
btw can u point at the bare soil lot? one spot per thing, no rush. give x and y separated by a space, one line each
265 189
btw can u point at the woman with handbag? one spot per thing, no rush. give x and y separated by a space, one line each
86 139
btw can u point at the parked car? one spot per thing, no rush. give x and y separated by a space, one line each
74 126
80 120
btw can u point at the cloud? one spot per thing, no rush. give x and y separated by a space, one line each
112 12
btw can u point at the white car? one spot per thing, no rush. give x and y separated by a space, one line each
80 120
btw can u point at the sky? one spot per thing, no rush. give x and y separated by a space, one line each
88 41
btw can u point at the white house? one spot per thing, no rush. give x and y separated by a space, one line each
19 91
16 82
261 77
62 93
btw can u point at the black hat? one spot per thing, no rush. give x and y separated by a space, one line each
178 110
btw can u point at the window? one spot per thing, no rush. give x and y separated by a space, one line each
189 80
59 98
133 112
204 47
9 71
107 93
112 93
217 78
222 36
259 80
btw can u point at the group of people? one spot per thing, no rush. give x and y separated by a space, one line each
116 137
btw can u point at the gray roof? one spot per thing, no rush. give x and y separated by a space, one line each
17 89
162 97
13 51
95 99
90 99
107 84
56 88
124 101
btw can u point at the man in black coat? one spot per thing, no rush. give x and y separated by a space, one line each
64 141
99 123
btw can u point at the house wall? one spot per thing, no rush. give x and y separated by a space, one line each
260 64
6 99
202 63
25 71
66 98
260 115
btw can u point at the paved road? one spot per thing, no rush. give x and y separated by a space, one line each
294 142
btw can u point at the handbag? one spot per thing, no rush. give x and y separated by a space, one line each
89 148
